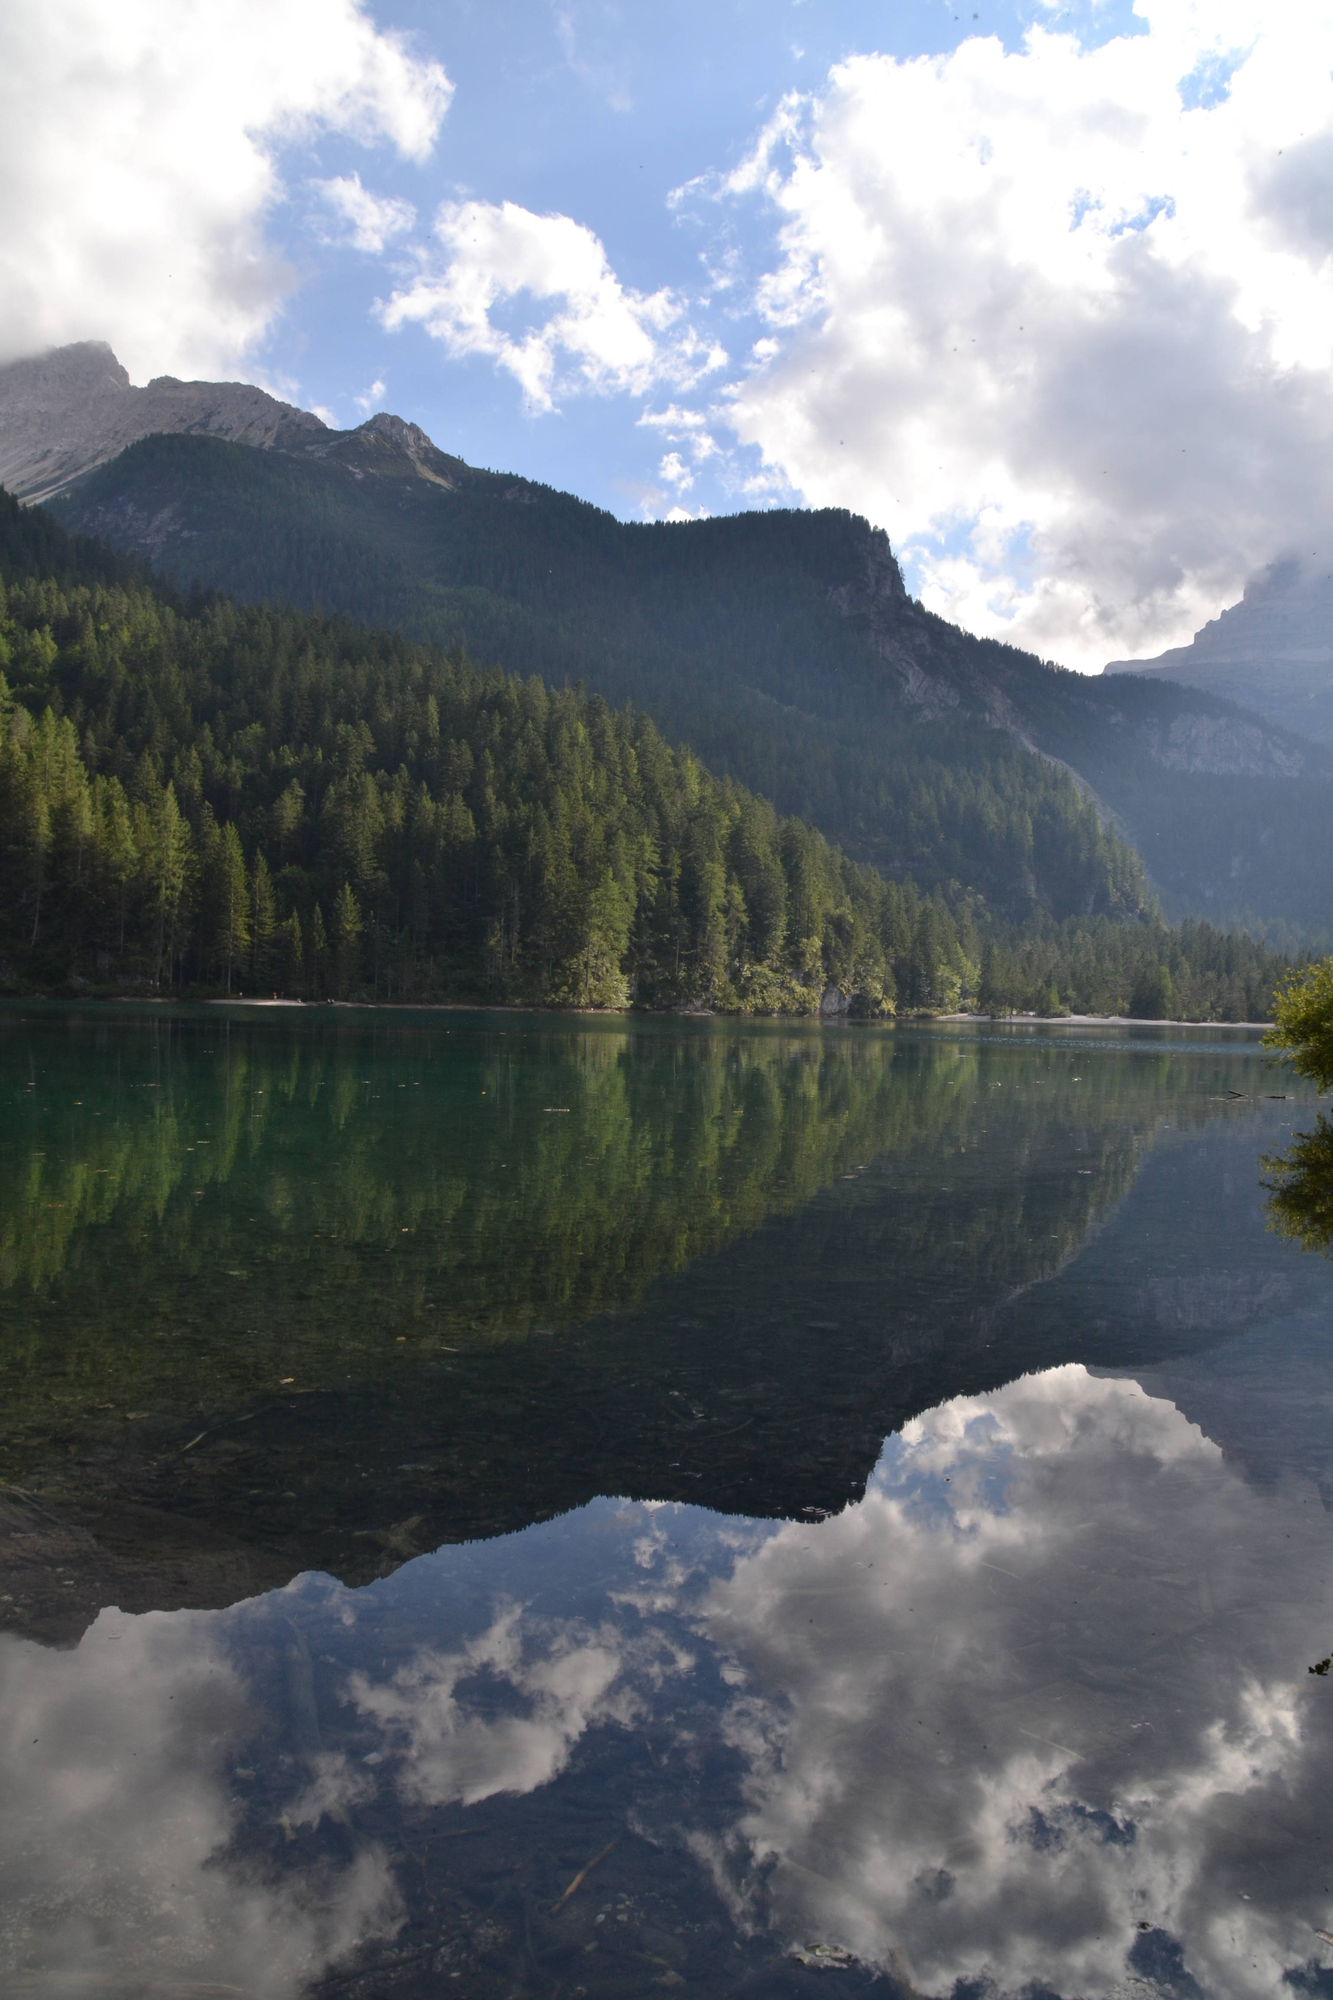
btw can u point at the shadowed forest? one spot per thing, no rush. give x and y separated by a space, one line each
199 796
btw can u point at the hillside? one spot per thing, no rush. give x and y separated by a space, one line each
1272 652
204 795
783 648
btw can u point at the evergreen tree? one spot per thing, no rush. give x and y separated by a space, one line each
226 898
165 841
347 927
263 922
317 960
291 956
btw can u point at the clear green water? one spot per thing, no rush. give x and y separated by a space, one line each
864 1492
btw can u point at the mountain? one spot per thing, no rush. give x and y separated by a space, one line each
782 647
198 794
1272 652
66 412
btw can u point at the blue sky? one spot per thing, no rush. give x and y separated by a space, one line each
1045 292
598 112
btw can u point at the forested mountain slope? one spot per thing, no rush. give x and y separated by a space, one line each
781 646
202 793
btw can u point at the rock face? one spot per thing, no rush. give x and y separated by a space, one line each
1225 746
1272 652
68 411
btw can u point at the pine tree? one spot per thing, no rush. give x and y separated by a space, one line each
346 940
290 956
230 896
118 851
263 922
317 962
164 840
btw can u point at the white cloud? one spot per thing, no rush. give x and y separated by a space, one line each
1061 320
585 332
137 162
373 399
685 427
371 220
602 71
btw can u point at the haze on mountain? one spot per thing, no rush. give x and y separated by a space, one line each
1272 652
781 646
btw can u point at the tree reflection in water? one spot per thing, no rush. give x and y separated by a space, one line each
1300 1185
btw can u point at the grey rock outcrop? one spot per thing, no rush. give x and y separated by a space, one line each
1222 745
65 412
1272 652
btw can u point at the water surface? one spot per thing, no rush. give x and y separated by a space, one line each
858 1496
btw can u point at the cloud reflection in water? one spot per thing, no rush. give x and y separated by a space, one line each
117 1770
1045 1684
555 1682
1034 1713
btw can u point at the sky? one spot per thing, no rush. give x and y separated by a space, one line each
1045 291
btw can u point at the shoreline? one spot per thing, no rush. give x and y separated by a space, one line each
622 1013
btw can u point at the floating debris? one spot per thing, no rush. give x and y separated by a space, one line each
830 1957
583 1875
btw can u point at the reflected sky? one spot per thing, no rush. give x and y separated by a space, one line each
1033 1715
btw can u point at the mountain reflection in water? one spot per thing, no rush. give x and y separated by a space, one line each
1033 1715
290 1292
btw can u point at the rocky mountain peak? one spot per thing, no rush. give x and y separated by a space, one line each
410 436
1271 652
64 412
85 368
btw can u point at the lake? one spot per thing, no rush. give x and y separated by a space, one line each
514 1504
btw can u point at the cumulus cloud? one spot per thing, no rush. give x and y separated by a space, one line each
585 331
1061 319
370 220
138 161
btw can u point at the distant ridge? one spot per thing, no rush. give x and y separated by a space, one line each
63 413
1272 652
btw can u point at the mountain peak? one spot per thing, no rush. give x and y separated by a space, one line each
64 412
84 368
410 436
1271 652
